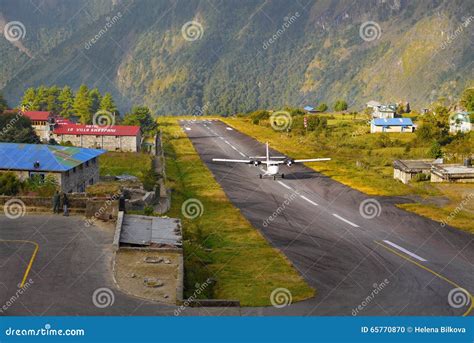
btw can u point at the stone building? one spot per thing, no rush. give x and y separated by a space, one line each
40 120
406 170
391 125
73 169
112 138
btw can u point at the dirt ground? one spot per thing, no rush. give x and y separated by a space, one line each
148 274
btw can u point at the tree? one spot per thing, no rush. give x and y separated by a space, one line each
66 101
3 103
28 99
322 107
140 116
435 150
9 184
340 105
107 103
467 99
17 129
52 102
96 99
40 101
83 105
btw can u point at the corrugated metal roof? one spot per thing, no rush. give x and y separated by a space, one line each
392 122
14 156
144 230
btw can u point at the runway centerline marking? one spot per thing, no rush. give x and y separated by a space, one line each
228 128
345 220
471 307
405 251
287 187
188 129
309 200
32 259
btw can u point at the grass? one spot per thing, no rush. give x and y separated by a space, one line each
221 244
118 163
359 160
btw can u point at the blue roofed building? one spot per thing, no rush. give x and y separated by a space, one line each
391 125
309 109
73 168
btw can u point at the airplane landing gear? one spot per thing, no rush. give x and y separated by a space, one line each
282 176
260 176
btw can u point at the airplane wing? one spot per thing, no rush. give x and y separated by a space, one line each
311 160
266 157
231 161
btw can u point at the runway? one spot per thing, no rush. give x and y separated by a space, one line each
388 262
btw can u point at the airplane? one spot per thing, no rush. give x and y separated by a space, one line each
272 163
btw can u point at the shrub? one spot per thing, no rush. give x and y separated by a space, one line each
9 184
421 177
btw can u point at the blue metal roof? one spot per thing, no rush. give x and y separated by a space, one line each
308 108
392 122
15 156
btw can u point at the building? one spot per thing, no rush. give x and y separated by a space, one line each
391 125
406 170
384 111
452 173
40 120
72 168
309 109
112 138
460 122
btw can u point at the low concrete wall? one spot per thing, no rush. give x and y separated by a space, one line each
118 231
102 208
46 203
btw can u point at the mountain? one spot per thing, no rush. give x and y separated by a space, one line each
227 56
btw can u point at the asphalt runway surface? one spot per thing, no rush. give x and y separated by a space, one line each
387 262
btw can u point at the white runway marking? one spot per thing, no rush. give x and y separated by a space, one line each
288 187
345 220
221 137
242 154
229 128
308 200
405 251
188 129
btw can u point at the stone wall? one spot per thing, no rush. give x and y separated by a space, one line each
111 143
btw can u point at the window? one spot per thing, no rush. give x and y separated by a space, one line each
74 169
91 181
39 177
94 160
97 136
81 167
87 163
77 136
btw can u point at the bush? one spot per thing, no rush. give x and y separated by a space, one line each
9 184
322 107
421 177
149 179
340 105
42 187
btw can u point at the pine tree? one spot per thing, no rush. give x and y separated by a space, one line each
52 102
28 99
66 100
3 103
108 104
96 99
40 102
83 105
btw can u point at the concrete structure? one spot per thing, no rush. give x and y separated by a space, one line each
112 138
452 173
71 168
391 125
406 170
381 110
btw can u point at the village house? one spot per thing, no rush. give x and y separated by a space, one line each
73 169
453 172
460 122
391 125
112 138
381 110
40 120
406 170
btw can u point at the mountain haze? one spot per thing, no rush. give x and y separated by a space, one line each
248 55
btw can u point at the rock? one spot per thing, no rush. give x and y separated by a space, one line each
167 261
153 282
133 275
150 259
166 296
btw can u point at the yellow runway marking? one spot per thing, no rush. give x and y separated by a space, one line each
32 259
434 273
